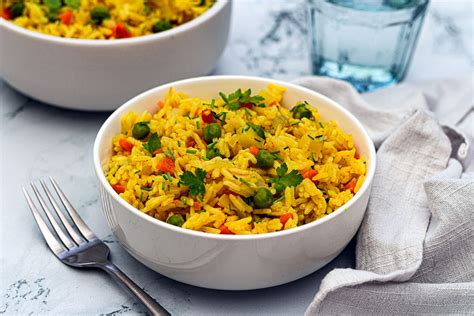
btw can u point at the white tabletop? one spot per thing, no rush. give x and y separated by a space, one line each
267 39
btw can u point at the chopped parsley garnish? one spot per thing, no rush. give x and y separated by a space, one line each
284 180
245 182
198 125
248 112
153 143
278 157
275 152
74 4
191 151
321 124
258 140
220 117
235 100
281 198
212 105
195 182
171 154
257 129
311 156
167 176
145 189
295 123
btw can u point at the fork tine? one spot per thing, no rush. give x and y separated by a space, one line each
59 231
53 243
81 226
72 232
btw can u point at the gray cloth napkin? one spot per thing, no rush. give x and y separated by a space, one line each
415 247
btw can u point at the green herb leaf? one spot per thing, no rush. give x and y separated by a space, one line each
53 5
145 189
282 170
153 143
195 182
284 180
74 4
234 100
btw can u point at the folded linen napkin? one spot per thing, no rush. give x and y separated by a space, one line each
415 247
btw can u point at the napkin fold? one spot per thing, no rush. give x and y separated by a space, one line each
415 247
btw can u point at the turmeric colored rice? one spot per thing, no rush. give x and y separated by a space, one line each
237 164
101 19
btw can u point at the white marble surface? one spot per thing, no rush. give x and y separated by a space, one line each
267 39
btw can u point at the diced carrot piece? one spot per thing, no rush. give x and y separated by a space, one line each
207 116
121 31
356 155
158 151
6 14
225 230
285 217
126 145
197 206
118 188
351 185
310 174
161 104
253 150
67 17
166 165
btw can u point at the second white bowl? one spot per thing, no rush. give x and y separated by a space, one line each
100 75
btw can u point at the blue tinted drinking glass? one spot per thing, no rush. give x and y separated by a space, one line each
366 42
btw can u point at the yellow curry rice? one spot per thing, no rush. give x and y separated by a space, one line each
101 19
238 164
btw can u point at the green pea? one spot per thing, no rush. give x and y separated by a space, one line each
263 198
176 220
161 26
212 153
265 160
259 131
140 130
17 9
279 187
301 110
99 13
212 131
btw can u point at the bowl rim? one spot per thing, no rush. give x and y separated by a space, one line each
119 111
218 6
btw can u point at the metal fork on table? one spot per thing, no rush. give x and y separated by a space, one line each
77 245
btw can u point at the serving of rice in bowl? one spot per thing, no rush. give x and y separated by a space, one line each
233 182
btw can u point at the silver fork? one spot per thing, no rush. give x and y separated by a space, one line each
78 246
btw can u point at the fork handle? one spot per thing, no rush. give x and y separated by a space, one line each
134 289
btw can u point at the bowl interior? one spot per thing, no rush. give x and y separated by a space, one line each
208 88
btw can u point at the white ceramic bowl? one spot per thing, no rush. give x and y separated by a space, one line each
98 75
232 262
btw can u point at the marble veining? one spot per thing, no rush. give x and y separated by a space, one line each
268 38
